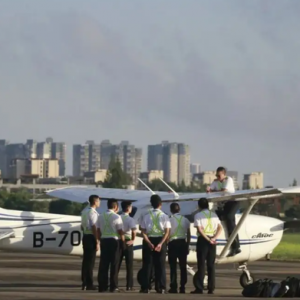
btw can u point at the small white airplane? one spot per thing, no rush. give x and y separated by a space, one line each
61 234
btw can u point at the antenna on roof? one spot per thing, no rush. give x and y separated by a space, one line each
175 194
140 180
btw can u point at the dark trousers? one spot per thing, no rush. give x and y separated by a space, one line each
144 261
128 254
178 249
158 259
230 209
109 258
88 261
206 252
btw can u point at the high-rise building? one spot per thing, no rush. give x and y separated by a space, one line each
173 159
254 180
195 168
86 158
129 156
3 163
58 151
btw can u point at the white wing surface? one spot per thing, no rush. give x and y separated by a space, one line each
81 194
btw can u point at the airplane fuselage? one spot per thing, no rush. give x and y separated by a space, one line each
61 234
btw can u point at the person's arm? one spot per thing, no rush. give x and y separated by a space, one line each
188 233
133 232
166 233
94 222
211 188
199 227
145 236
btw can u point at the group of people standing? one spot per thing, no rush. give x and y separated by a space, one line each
160 233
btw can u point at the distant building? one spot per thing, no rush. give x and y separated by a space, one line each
254 180
204 178
151 175
42 168
173 159
195 168
96 176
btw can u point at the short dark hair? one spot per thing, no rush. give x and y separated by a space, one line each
112 203
175 208
221 169
93 199
125 205
203 203
155 201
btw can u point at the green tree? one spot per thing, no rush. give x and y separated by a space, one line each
116 178
294 182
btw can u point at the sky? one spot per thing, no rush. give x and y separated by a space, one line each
221 76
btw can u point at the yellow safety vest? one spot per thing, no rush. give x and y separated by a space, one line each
108 230
127 236
221 184
85 221
155 230
208 230
180 231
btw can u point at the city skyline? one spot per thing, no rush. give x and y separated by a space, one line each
91 156
221 76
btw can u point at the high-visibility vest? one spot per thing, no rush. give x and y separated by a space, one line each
127 235
180 232
155 230
85 221
108 231
221 184
209 229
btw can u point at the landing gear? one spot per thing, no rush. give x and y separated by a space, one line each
141 275
196 282
246 278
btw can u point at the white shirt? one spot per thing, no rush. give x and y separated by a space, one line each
129 224
163 222
110 229
184 227
89 217
201 220
226 184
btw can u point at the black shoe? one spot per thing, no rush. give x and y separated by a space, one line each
197 292
83 287
210 292
182 291
161 291
172 291
144 292
129 289
102 290
115 290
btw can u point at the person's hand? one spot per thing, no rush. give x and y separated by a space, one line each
158 248
151 246
213 241
208 189
130 243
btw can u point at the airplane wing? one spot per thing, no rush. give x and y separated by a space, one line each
5 234
81 194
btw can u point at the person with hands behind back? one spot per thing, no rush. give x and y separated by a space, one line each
178 248
155 228
209 228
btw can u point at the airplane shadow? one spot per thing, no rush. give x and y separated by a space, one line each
38 285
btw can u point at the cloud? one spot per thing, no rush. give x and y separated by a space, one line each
223 79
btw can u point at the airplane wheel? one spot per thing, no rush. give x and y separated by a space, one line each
244 281
196 281
140 276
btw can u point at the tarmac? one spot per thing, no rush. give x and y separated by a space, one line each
37 276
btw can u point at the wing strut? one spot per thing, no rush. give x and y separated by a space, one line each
175 194
252 202
141 181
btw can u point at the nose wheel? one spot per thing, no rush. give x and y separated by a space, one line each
246 277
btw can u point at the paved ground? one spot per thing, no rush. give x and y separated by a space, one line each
29 276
